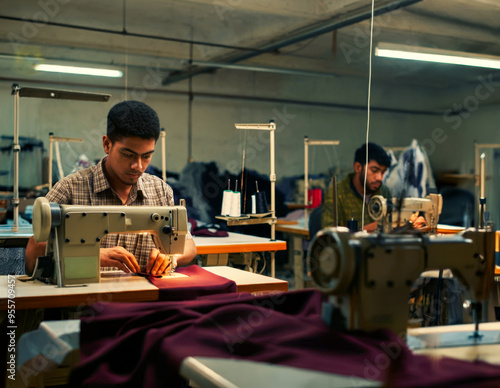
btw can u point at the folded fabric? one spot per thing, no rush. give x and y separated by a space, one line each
207 230
132 345
198 282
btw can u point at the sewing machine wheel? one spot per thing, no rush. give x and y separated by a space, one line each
41 219
377 208
331 268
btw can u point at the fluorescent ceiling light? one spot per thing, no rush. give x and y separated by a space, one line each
79 70
427 54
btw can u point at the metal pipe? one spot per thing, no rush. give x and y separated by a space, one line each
306 176
265 69
126 33
307 32
324 142
335 208
16 149
163 155
272 178
51 156
259 99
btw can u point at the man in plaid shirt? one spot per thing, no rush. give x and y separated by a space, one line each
350 190
119 179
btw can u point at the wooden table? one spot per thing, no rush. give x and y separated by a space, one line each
217 249
19 239
297 233
117 286
444 341
235 243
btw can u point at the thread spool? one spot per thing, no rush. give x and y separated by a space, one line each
226 202
261 202
314 198
352 224
235 204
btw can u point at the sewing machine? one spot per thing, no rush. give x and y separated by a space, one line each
73 234
369 276
391 214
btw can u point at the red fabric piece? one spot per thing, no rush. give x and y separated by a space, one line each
198 283
132 345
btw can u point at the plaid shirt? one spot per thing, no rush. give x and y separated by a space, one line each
90 187
348 202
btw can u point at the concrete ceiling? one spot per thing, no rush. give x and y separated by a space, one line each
322 38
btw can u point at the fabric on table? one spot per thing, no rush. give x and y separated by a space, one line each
132 345
198 283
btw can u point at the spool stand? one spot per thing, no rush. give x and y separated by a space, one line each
308 143
271 219
54 140
18 92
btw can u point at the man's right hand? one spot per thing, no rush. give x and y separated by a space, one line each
371 227
119 257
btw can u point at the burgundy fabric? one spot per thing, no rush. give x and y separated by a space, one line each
198 283
143 345
207 232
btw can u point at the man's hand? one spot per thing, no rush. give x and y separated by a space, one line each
371 227
159 263
418 221
119 257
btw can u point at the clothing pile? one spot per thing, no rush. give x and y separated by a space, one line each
412 175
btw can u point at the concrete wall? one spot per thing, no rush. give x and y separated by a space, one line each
330 109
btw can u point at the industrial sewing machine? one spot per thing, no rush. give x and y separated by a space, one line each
391 214
369 276
73 234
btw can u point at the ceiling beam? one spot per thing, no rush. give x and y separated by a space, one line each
307 32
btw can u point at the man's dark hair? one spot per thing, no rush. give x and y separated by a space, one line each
132 118
375 152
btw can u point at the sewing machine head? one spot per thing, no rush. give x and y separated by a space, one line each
73 233
369 276
388 216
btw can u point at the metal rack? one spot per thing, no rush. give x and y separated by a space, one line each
54 94
54 143
271 220
479 181
308 143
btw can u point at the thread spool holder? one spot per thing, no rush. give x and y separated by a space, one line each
308 143
56 94
271 219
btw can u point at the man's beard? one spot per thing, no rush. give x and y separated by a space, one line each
362 182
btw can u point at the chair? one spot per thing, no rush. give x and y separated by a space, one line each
314 222
458 207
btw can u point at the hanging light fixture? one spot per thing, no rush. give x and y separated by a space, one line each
427 54
94 71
